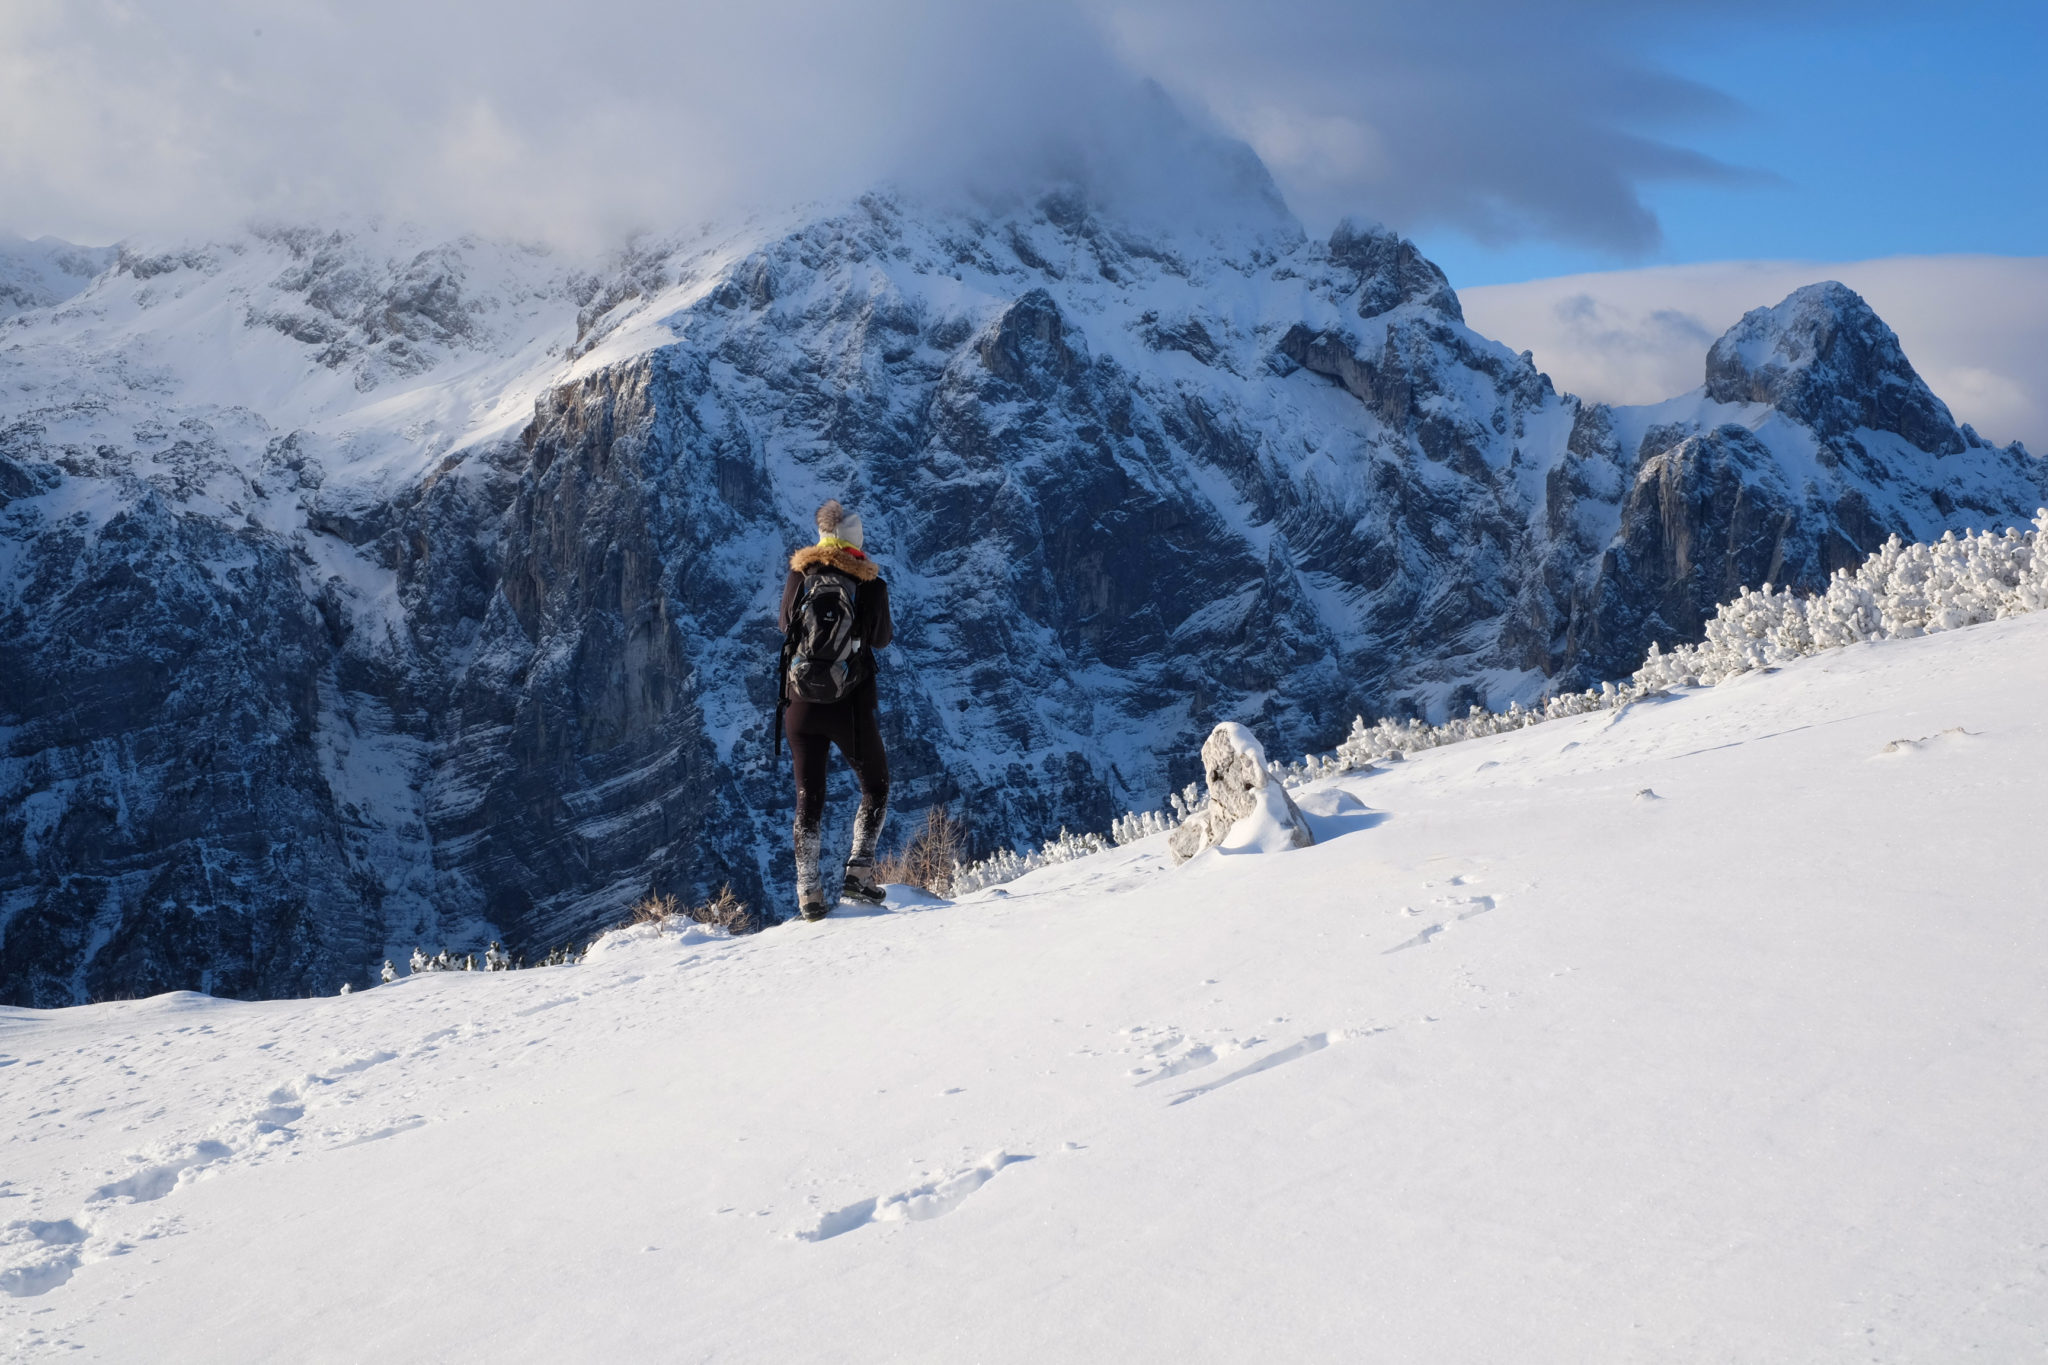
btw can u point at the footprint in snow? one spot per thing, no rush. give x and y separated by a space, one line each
1910 746
933 1200
1475 905
1196 1057
1459 908
1425 936
155 1181
44 1255
1294 1052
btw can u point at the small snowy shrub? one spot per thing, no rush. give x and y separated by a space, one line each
1132 826
1186 802
1008 865
1899 592
389 974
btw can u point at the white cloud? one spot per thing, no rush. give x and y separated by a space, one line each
1492 116
1976 327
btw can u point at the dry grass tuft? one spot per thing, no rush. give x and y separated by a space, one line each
654 908
927 860
725 910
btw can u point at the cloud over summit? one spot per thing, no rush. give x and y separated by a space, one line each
591 120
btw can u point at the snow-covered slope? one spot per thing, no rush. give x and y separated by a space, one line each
359 590
1707 1030
45 272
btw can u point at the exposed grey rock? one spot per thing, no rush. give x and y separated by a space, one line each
1243 798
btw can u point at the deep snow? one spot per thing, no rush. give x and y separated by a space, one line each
1711 1029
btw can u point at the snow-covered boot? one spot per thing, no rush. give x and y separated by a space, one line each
810 895
860 863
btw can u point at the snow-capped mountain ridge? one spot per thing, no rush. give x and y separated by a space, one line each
488 544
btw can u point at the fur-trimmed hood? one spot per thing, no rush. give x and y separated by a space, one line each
850 562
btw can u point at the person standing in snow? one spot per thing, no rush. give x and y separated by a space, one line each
835 615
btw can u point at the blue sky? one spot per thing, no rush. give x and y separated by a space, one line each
1878 135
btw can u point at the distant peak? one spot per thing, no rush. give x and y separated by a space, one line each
1824 358
1391 270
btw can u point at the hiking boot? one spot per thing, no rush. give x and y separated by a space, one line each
812 905
860 884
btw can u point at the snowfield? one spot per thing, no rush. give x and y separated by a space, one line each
1711 1029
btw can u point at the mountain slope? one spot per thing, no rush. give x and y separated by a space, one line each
1644 1035
361 590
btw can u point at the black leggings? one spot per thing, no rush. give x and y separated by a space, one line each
813 728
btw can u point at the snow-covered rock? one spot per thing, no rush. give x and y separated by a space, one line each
360 590
1247 812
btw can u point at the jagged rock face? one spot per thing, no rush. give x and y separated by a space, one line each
474 636
1702 520
1390 272
164 714
1824 359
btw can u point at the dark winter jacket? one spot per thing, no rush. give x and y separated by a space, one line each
870 606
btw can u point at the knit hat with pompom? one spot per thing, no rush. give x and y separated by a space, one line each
835 523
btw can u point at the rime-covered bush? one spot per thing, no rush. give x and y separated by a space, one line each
1899 592
1134 825
1008 865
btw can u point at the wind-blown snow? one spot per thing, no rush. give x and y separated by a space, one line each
1707 1029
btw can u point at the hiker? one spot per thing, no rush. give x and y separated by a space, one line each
835 615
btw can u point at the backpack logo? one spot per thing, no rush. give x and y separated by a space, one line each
825 647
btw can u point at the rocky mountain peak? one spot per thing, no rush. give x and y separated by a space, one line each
1390 270
1825 359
